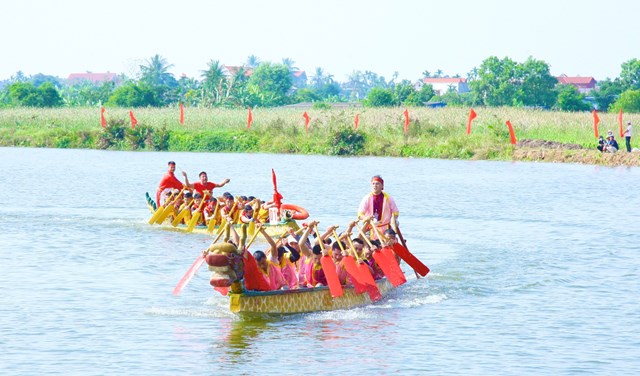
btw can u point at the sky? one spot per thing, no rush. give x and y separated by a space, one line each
575 37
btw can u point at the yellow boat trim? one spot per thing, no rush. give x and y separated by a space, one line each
301 300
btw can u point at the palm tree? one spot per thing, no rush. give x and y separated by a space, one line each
290 64
252 61
214 81
155 73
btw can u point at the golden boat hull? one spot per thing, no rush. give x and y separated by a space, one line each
301 300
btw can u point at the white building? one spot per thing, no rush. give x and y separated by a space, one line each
444 84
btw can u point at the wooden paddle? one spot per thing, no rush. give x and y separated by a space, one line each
389 266
168 210
193 269
365 273
161 208
351 267
390 255
329 268
402 251
196 216
212 221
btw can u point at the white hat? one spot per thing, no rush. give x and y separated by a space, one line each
291 239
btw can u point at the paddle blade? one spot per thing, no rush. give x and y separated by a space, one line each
370 283
155 215
165 213
194 220
253 277
355 274
394 274
251 228
188 275
330 273
178 219
410 259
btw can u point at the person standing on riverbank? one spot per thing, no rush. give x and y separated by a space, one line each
378 207
627 137
169 181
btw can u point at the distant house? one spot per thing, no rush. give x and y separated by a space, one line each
299 79
95 78
232 70
442 85
584 84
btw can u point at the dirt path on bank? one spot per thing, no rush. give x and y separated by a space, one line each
551 151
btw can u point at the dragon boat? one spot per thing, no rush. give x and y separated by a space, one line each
273 229
301 300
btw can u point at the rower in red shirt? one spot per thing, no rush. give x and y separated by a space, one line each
205 185
169 181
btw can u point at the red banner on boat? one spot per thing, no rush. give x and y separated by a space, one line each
406 121
596 120
134 121
512 133
103 121
249 118
181 113
472 115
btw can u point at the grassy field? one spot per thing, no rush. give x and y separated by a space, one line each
434 133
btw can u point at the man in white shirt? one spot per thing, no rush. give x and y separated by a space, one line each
627 137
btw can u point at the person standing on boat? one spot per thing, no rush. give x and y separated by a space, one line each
169 181
378 207
205 185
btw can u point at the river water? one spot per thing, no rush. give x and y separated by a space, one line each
534 270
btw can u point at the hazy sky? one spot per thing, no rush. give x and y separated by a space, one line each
575 37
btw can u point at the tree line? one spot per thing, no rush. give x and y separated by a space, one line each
496 82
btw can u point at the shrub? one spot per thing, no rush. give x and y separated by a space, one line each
347 141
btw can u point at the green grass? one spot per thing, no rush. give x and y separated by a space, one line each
433 133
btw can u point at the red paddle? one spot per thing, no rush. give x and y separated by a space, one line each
193 269
402 251
330 273
366 277
389 266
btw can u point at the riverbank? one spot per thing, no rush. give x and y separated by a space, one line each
432 133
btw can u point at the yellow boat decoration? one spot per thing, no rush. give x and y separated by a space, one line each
276 229
300 300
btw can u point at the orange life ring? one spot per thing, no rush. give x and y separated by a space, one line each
298 211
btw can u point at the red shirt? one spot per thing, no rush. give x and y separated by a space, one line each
208 186
169 180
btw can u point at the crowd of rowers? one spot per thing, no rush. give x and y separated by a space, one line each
187 199
293 260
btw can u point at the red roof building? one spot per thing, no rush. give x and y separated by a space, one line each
92 77
584 84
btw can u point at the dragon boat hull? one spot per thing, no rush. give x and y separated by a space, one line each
300 300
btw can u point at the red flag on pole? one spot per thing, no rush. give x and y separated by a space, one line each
620 122
181 113
249 118
356 121
472 115
406 121
306 121
596 120
134 121
103 121
277 197
512 134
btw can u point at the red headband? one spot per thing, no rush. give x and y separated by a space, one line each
378 179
